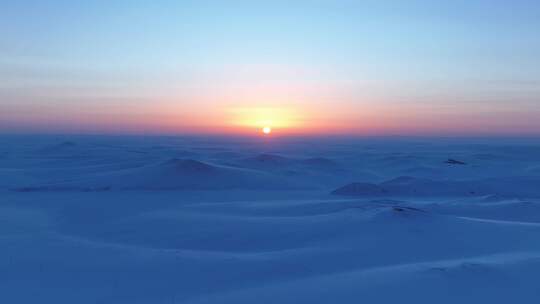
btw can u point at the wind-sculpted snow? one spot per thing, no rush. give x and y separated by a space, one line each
412 186
199 220
277 162
174 174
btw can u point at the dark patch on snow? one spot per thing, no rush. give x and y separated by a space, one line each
452 161
403 209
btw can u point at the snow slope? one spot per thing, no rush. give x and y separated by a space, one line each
200 220
173 174
516 186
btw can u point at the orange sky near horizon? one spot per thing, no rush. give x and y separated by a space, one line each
228 68
366 118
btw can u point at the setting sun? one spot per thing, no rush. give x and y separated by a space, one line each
264 119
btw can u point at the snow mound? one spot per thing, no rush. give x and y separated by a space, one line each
63 147
413 186
174 174
188 166
268 160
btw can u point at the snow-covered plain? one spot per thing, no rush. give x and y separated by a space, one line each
269 220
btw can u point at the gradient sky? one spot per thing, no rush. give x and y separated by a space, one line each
303 67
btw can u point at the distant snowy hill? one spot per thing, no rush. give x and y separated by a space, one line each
413 186
179 174
149 220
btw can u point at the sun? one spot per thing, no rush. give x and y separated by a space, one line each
266 130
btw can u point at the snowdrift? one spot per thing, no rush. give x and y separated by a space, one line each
175 174
413 186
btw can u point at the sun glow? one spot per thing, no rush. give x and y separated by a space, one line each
267 130
264 118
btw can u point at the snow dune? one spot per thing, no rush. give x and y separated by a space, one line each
197 220
173 174
520 186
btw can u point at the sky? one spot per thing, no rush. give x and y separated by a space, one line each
300 67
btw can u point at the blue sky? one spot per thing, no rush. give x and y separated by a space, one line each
347 66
